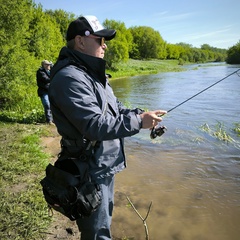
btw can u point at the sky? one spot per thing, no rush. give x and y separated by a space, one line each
196 22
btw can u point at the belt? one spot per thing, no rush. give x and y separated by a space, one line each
83 143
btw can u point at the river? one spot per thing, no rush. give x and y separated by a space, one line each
191 177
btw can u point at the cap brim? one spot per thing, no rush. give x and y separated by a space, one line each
108 34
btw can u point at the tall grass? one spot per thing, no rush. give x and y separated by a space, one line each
22 162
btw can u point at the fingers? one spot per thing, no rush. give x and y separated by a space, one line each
154 123
152 118
160 112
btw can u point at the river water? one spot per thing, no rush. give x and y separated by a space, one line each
191 177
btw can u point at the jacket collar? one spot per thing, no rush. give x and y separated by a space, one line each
94 66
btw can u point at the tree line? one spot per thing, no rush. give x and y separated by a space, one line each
28 35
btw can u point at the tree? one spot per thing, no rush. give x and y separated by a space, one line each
233 54
45 36
185 45
174 51
206 47
119 47
27 36
148 44
62 18
15 60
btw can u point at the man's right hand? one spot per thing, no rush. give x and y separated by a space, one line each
152 118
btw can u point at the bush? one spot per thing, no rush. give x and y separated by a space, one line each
34 116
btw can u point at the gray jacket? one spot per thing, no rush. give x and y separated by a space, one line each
79 92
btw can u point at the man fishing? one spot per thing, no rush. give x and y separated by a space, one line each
84 106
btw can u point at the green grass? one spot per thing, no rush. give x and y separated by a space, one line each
22 162
138 67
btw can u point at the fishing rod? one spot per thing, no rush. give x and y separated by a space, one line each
160 130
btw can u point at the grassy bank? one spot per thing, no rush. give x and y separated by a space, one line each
138 67
22 163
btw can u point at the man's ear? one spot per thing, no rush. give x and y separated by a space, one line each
79 42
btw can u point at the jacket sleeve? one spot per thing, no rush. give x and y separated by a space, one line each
82 104
124 110
43 79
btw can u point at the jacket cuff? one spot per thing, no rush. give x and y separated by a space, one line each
139 120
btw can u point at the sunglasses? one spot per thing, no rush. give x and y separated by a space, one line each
101 40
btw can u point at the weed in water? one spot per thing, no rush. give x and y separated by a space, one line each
219 132
236 129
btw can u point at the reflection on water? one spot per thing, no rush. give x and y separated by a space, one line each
192 178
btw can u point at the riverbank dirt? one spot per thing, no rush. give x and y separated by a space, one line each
63 228
60 227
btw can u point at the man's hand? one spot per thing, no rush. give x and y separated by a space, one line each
152 118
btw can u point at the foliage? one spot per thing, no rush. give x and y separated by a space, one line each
117 54
27 37
174 51
62 18
34 116
148 44
119 46
233 54
157 48
213 49
13 49
205 54
45 38
22 163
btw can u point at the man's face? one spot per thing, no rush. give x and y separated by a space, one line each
47 66
91 45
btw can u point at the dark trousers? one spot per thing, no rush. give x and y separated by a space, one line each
97 226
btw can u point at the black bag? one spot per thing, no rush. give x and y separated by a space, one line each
71 191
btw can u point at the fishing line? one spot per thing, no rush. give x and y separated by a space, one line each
159 130
204 90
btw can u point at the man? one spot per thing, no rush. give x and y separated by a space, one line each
84 106
43 81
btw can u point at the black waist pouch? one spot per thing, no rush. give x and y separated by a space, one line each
71 191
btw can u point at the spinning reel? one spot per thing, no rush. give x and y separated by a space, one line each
157 131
